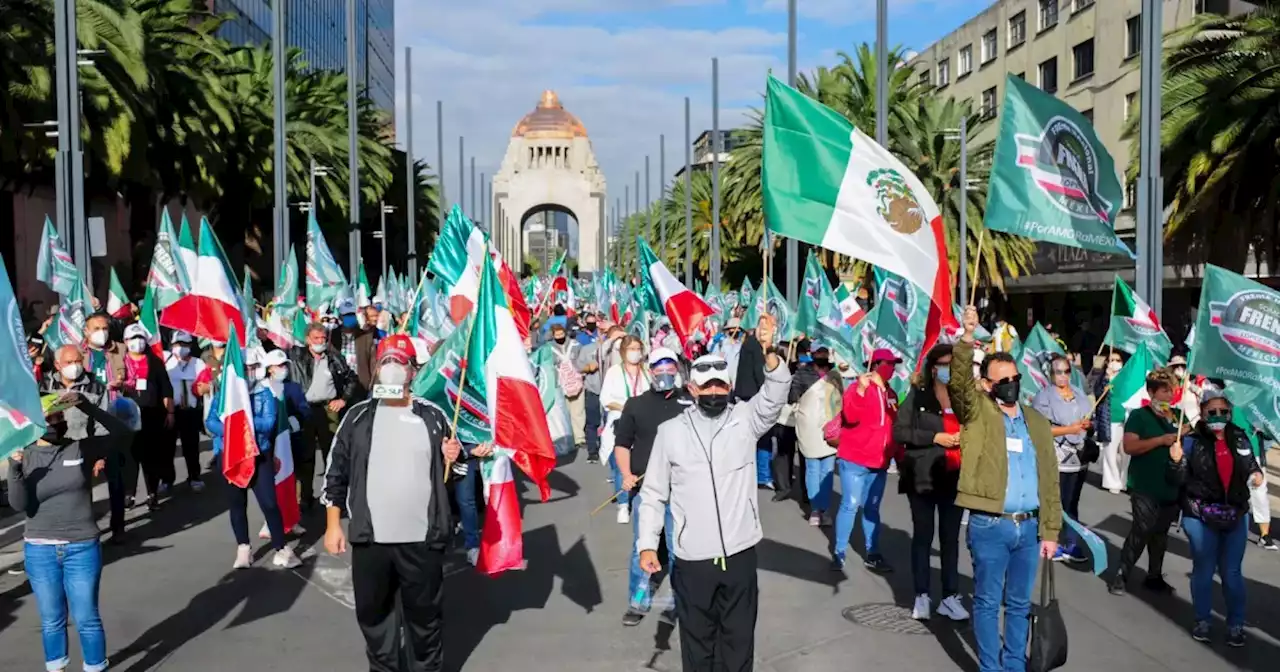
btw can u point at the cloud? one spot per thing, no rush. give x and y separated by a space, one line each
489 61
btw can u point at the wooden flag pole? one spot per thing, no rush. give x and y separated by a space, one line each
977 259
615 496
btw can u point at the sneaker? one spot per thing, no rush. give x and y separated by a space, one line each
297 530
837 562
922 608
473 556
893 467
767 485
1073 554
877 564
1118 588
1267 543
1060 555
953 609
815 519
1157 584
632 617
153 503
593 460
244 557
1235 637
828 519
1200 632
16 571
285 559
130 502
264 533
608 479
197 485
624 514
781 495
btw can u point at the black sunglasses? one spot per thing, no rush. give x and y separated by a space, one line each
710 366
1221 413
1011 379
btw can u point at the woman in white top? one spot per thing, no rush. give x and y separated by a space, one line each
624 380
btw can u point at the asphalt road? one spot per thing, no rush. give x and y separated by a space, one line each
171 601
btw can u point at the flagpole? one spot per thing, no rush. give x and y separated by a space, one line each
977 260
793 247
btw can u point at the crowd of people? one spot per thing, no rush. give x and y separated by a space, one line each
691 434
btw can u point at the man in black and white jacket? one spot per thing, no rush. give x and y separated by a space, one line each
387 468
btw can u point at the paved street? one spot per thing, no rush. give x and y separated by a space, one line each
170 601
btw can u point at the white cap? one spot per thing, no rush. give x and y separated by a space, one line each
660 354
253 356
708 368
275 358
180 337
135 330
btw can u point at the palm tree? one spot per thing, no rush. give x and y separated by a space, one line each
737 246
1219 127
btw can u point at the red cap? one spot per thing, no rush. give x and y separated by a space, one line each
397 347
885 355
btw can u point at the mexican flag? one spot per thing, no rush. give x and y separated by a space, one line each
21 415
511 288
54 265
684 309
851 311
828 184
147 317
1237 331
286 481
1129 387
1051 178
1134 324
239 447
118 305
502 539
561 290
167 275
455 261
325 280
188 256
362 288
212 309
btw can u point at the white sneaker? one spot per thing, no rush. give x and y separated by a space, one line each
953 609
285 559
244 557
473 556
923 607
264 533
297 530
624 514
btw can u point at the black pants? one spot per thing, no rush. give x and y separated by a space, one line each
186 425
1070 486
717 611
263 485
148 453
415 573
923 508
784 463
1150 531
317 434
592 402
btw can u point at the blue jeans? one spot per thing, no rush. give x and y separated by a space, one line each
614 471
861 488
465 490
639 579
819 477
1214 550
65 574
764 457
1005 558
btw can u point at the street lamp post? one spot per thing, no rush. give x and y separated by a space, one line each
962 134
882 72
280 239
1150 215
440 159
715 171
648 204
474 214
70 174
315 171
384 210
353 146
411 172
793 247
688 198
662 196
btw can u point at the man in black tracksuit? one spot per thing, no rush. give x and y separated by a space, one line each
330 387
633 438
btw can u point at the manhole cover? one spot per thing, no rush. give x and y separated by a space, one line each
885 618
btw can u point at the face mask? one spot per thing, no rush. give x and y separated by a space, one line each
1162 406
72 371
54 432
329 326
349 322
634 357
885 371
560 340
181 351
136 345
1216 425
318 348
1114 367
942 374
393 374
1006 392
806 359
591 327
713 405
664 382
280 374
98 338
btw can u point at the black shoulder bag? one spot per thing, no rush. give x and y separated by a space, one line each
1048 648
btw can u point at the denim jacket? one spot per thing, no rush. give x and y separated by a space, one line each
263 405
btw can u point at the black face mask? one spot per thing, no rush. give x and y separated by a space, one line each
591 327
560 340
55 432
713 404
1006 392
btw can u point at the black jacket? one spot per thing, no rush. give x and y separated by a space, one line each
749 377
924 470
804 377
637 427
1197 471
346 476
302 364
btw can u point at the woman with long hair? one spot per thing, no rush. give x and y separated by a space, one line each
624 380
1069 411
930 434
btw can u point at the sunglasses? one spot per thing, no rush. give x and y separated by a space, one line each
1218 414
711 366
1011 379
1061 372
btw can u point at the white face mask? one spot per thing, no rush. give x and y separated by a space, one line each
137 345
181 351
72 371
1114 367
280 374
258 373
319 348
393 374
634 357
98 338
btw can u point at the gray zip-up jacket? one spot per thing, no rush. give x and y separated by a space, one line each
705 469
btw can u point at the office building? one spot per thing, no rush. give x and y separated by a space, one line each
702 156
318 28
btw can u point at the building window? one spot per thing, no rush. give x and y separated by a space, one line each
1130 104
1082 59
1211 6
965 60
924 78
1049 75
1083 4
989 46
944 72
1088 114
1131 195
1048 14
1018 29
989 103
1133 35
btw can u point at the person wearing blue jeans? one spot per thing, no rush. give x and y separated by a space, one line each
819 480
615 476
639 590
62 576
464 489
861 489
1006 554
1221 552
764 458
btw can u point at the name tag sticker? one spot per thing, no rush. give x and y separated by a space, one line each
1013 445
388 391
73 463
140 385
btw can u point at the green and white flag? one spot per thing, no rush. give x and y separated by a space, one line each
1261 408
902 323
325 280
1134 324
1033 360
746 293
769 300
810 299
21 414
54 266
168 275
1237 331
1129 387
362 288
1051 178
68 327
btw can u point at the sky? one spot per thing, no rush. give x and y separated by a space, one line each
623 67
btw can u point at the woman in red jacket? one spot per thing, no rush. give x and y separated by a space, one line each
866 444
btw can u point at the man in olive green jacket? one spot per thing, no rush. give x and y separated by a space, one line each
1009 483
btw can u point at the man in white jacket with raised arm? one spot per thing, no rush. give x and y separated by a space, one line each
704 466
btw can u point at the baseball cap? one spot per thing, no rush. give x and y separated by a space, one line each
135 330
1211 392
275 358
253 356
885 355
397 347
662 354
708 368
1177 360
180 337
733 323
347 306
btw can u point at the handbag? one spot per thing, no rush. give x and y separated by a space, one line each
1048 647
1088 452
831 430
